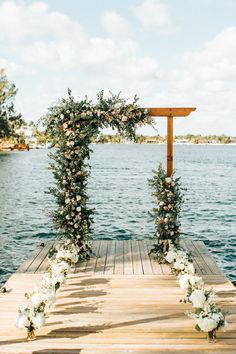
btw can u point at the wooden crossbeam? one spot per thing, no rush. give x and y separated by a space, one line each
170 113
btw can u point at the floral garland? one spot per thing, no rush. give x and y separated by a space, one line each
168 194
41 299
72 126
207 315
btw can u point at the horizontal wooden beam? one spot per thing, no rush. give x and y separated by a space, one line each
170 111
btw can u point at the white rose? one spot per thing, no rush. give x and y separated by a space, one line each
124 119
168 179
38 320
78 198
22 320
67 201
197 298
170 256
184 281
65 125
206 324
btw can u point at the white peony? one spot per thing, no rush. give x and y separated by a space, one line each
197 298
206 324
38 319
184 281
22 320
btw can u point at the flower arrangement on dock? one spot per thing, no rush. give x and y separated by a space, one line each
33 316
168 194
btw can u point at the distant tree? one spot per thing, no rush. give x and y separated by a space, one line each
9 119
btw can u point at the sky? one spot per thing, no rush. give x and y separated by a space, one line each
175 53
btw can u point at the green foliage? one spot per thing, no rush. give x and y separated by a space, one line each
9 119
168 195
72 125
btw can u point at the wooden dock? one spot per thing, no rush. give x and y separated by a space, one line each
119 301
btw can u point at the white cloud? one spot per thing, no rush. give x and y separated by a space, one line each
154 15
47 52
115 24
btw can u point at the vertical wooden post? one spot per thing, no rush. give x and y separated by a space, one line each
170 138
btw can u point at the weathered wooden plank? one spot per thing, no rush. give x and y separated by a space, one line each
207 257
110 261
119 257
128 263
145 260
136 257
101 258
25 265
33 268
156 267
187 244
91 264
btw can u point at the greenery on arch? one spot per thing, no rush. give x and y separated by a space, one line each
72 125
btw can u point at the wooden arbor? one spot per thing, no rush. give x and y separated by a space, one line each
170 113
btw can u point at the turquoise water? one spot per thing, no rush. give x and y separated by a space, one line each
119 191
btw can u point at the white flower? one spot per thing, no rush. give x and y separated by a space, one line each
67 201
124 119
78 198
216 316
190 268
62 116
47 280
206 324
58 278
36 298
184 281
168 179
196 282
179 264
49 296
22 319
173 184
197 298
38 320
170 256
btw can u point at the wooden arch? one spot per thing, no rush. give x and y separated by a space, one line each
170 113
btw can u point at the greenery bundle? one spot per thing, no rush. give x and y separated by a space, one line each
72 126
168 195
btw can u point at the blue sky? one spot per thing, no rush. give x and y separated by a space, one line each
175 53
